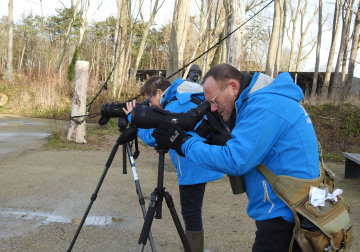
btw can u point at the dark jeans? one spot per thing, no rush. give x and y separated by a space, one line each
274 236
191 200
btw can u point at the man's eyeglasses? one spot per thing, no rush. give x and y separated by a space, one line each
212 101
148 99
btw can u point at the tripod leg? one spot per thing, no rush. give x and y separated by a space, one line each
177 222
148 221
138 190
94 195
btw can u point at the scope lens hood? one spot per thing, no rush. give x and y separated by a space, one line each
103 120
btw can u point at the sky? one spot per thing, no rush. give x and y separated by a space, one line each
109 7
164 15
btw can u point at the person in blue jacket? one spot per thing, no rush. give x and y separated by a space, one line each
176 98
269 126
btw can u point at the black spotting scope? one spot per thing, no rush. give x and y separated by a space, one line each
148 118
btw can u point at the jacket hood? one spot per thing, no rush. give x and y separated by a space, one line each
183 90
283 85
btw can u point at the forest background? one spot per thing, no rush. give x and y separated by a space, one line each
38 52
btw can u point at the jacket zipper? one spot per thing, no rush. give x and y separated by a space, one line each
178 159
267 197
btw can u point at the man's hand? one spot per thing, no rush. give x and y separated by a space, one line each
129 107
171 135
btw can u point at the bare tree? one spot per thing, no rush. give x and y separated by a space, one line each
336 24
10 43
144 37
128 50
317 62
200 38
281 38
303 31
120 36
270 63
121 44
85 5
353 54
294 14
234 48
178 38
67 34
343 50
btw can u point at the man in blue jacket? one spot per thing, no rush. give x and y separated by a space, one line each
177 97
268 126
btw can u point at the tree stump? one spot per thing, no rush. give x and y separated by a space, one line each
77 127
3 99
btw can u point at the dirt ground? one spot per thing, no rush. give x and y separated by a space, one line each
44 194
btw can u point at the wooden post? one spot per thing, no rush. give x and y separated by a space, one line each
77 127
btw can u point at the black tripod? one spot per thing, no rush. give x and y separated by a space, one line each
156 204
126 136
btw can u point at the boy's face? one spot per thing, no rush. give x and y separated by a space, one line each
154 100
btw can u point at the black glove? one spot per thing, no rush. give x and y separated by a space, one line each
171 135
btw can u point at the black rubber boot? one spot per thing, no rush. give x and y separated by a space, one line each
196 240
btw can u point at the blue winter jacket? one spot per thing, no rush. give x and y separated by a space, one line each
273 128
188 172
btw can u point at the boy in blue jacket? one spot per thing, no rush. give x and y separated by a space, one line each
268 126
192 178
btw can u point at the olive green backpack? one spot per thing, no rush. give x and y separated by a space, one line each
332 227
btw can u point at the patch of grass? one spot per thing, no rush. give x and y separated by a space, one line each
96 136
336 158
337 128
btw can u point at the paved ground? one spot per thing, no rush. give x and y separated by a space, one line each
44 194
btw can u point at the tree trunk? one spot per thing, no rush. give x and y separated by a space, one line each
77 127
342 55
143 40
177 38
128 51
22 56
317 62
303 32
217 56
270 62
67 37
122 43
325 87
237 9
200 37
97 71
281 38
116 49
10 43
353 54
294 19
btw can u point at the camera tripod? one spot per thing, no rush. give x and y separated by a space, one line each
126 136
156 204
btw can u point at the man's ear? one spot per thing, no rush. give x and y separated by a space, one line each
235 87
159 91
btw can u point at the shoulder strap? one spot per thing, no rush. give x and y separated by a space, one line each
293 191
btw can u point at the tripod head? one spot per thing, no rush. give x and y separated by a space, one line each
122 123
